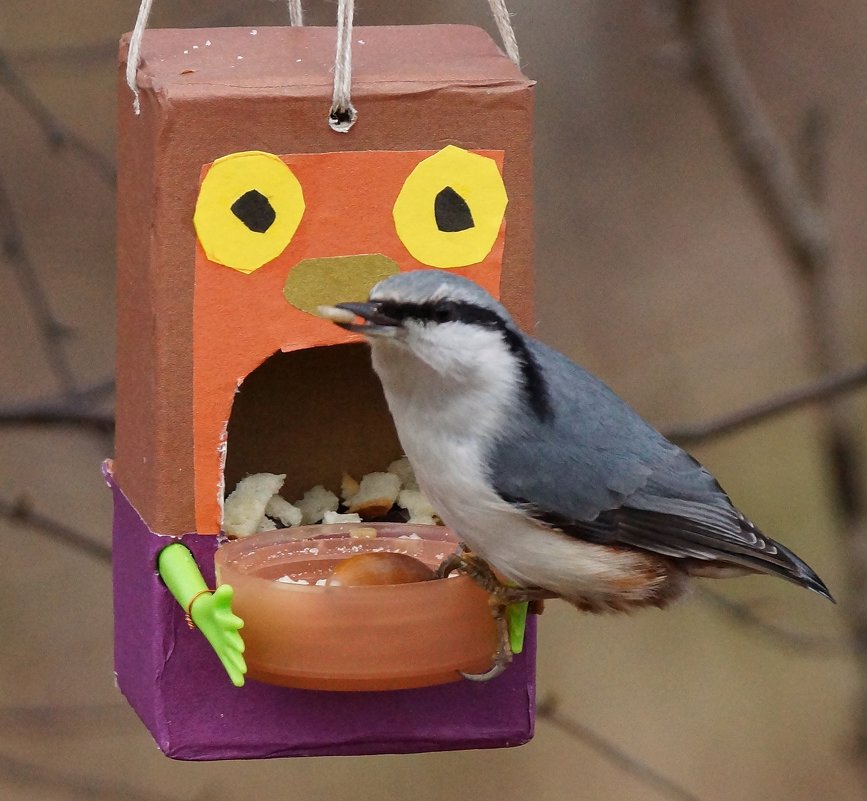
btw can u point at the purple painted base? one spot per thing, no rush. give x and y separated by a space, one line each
175 683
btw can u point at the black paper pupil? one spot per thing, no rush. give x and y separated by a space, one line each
452 212
255 211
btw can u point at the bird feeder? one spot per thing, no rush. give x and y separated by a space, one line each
239 212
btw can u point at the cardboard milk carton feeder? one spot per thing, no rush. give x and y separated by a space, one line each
240 212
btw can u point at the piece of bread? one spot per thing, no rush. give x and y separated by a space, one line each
376 495
280 509
336 517
348 487
244 509
418 507
403 470
315 503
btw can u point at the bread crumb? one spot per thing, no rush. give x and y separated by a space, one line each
315 503
336 517
244 509
280 509
376 495
417 506
403 470
348 487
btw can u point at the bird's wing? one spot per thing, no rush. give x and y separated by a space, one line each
595 470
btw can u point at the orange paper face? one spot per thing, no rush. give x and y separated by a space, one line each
279 236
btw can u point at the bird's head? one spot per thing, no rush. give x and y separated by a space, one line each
446 321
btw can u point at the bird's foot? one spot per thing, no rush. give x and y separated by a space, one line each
503 654
502 596
466 562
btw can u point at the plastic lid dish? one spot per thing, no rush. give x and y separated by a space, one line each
383 637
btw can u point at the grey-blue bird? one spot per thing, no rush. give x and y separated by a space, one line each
543 471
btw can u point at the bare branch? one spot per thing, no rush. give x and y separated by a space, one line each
59 136
59 416
787 639
54 333
823 390
547 711
765 160
21 514
76 411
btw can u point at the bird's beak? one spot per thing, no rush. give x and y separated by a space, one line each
375 322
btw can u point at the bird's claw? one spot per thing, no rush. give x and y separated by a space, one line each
466 562
502 596
503 654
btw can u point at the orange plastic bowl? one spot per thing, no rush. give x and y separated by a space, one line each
385 637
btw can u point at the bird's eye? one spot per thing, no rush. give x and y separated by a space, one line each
249 206
450 209
444 313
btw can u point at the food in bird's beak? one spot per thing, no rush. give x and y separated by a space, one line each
374 322
336 314
368 569
256 505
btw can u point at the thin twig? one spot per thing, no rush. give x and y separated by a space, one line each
57 133
75 411
54 333
21 514
823 390
547 711
56 417
798 642
15 771
763 155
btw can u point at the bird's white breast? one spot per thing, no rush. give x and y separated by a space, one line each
446 431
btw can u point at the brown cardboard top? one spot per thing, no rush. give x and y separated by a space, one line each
423 88
299 62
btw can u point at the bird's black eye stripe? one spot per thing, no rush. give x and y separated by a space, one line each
445 311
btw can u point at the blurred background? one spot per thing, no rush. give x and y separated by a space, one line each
657 268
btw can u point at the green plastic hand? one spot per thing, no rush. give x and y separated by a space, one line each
210 612
213 616
516 616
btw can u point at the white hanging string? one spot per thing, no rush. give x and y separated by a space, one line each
134 55
342 115
504 26
296 13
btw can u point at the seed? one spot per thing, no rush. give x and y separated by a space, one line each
367 569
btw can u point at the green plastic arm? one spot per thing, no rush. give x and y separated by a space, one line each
516 616
210 611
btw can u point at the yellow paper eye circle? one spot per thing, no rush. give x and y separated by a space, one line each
449 211
249 207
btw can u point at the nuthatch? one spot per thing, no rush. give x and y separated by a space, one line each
539 467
